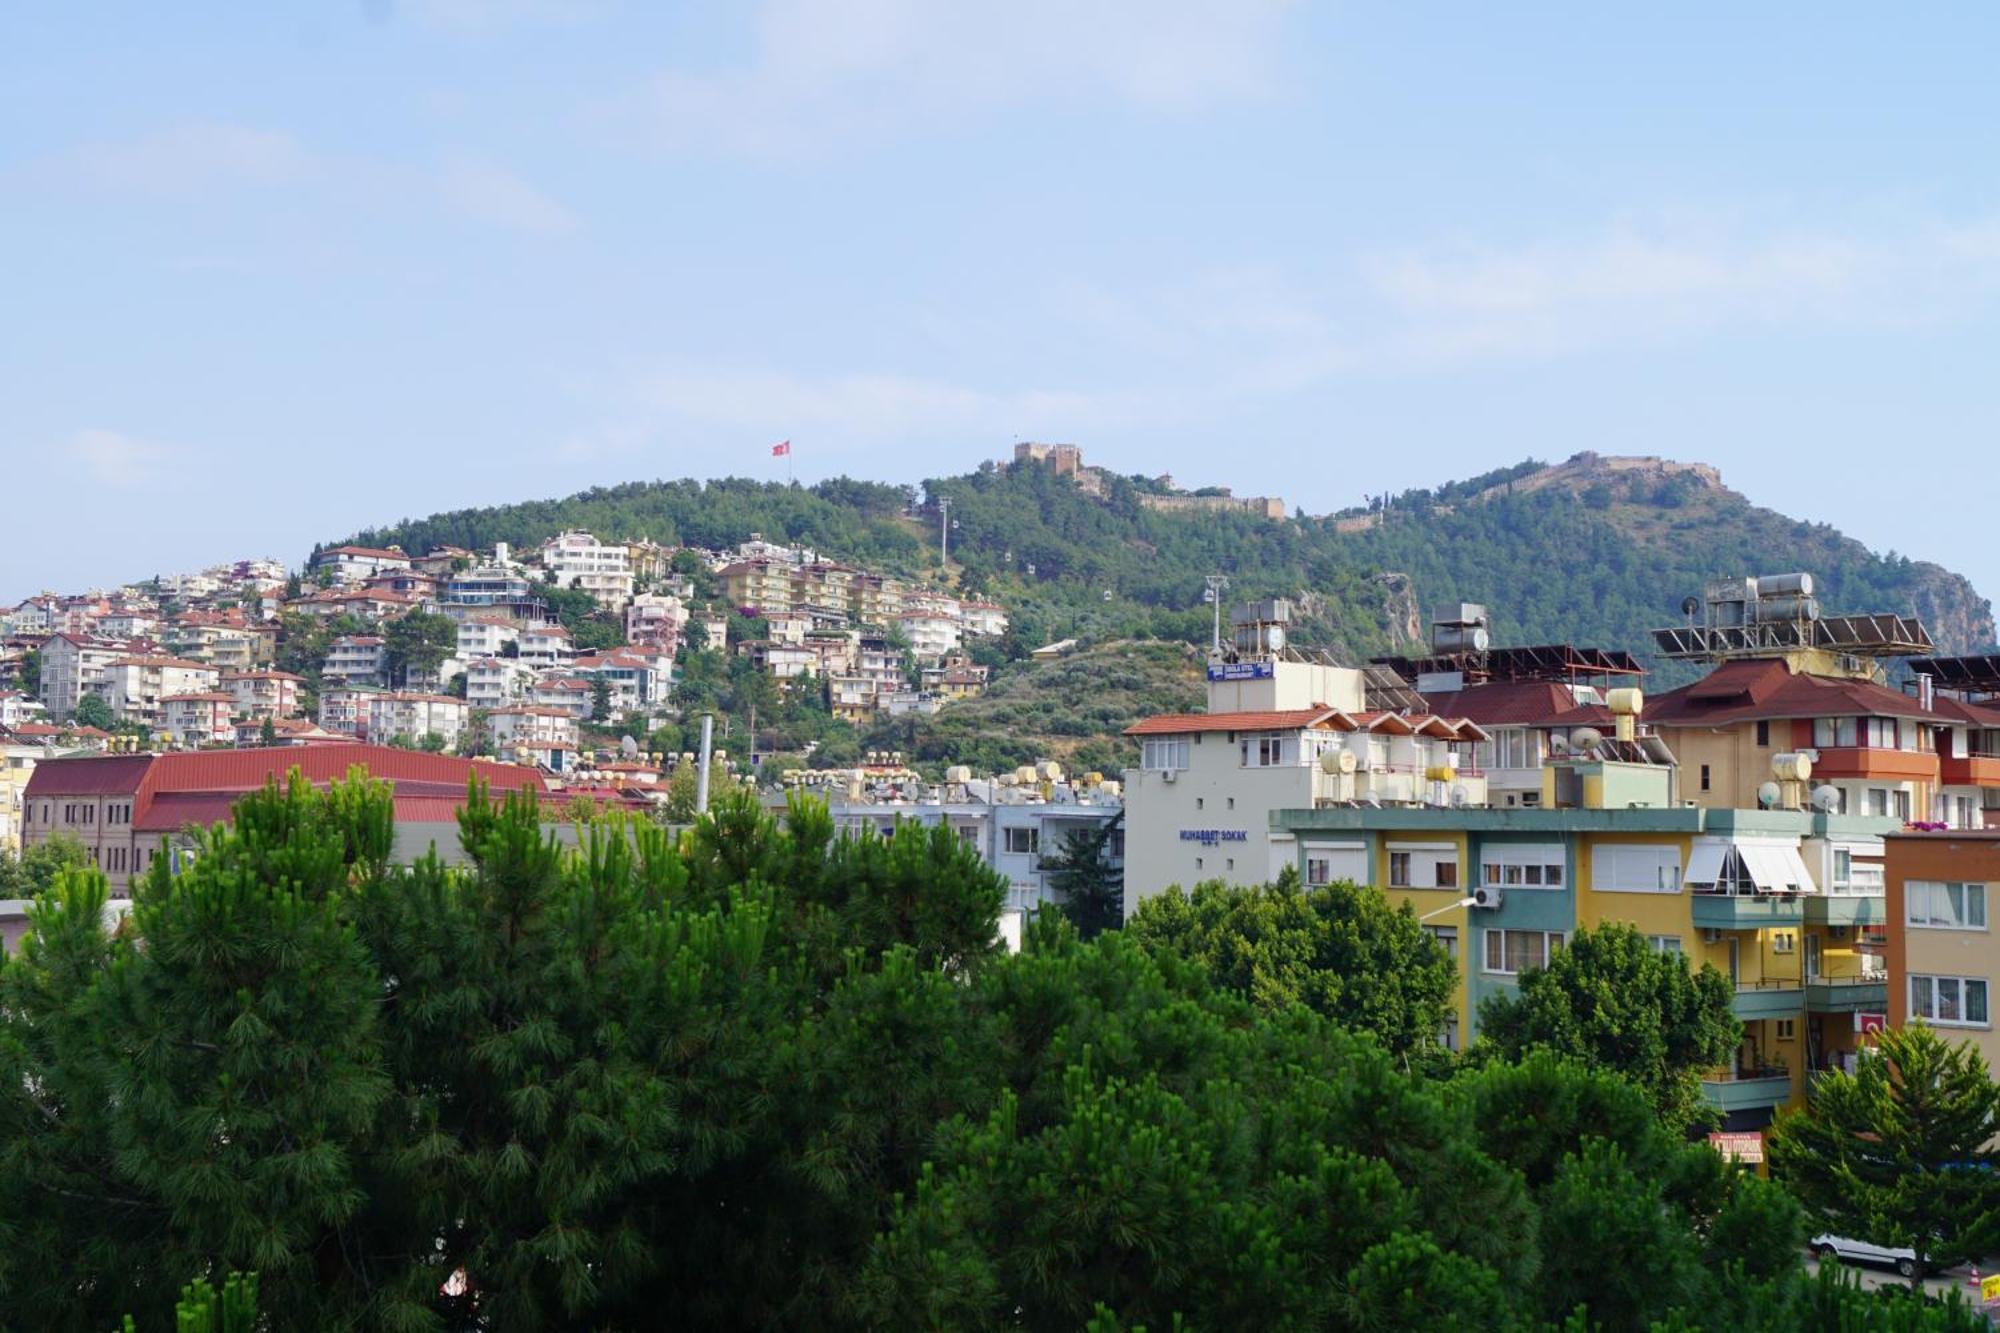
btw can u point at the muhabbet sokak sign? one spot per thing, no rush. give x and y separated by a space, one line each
1240 671
1212 836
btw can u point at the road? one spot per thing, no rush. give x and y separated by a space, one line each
1953 1279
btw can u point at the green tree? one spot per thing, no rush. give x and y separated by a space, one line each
267 734
600 699
1609 998
93 711
29 673
1898 1152
34 872
417 644
1340 950
1084 873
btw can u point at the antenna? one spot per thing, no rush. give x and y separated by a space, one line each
1216 584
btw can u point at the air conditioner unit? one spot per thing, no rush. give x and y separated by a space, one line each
1710 935
1486 895
1170 775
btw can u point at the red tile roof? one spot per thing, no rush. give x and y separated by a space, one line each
1506 703
93 775
1753 690
1176 724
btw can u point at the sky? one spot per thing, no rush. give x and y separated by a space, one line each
277 273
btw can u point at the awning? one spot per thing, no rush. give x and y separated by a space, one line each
1776 869
1705 863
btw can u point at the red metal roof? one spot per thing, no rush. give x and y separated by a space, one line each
88 775
1506 703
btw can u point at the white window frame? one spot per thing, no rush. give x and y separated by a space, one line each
1033 839
1163 754
1927 992
1523 866
1929 905
1661 861
1665 944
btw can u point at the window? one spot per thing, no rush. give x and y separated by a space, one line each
1399 870
1784 941
1269 749
1447 938
1834 731
1949 1001
1319 870
1664 943
1704 777
1622 868
1525 866
1164 754
1948 906
1231 801
1787 1029
1447 874
1510 952
1878 801
1026 841
1901 799
1448 1032
1764 734
1199 802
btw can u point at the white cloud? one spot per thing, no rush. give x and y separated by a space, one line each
119 461
1630 284
825 71
186 158
491 194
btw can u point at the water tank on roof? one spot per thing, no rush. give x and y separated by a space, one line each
1785 585
1460 639
1775 610
1337 761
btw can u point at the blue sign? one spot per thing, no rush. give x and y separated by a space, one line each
1240 671
1212 836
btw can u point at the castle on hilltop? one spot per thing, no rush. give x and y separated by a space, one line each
1066 460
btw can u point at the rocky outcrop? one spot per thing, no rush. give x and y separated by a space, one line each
1399 611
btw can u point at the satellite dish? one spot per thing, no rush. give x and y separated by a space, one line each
1460 796
1585 737
1826 798
1689 606
1274 638
1767 795
629 746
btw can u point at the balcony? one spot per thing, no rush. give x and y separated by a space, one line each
1845 909
1847 995
1862 761
1748 1090
1979 770
1767 999
1747 911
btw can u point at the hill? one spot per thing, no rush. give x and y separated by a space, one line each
1592 551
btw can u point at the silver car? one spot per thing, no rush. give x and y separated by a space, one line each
1848 1250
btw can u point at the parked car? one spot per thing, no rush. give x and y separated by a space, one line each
1848 1250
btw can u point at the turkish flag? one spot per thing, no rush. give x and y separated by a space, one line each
780 450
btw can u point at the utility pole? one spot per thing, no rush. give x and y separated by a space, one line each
944 533
1217 583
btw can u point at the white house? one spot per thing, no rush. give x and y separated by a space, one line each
579 560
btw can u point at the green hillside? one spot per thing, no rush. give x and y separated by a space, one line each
1581 552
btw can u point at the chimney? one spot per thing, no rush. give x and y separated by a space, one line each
1926 690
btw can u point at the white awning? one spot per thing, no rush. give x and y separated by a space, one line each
1776 869
1705 862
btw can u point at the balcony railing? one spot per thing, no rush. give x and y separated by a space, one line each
1847 995
1846 909
1771 998
1745 1090
1747 911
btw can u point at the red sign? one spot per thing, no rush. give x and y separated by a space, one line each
1869 1024
1745 1147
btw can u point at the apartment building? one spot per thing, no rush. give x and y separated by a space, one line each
356 564
136 687
639 678
343 709
74 665
485 636
1965 691
545 737
1941 961
571 695
579 560
413 717
199 719
18 706
546 646
262 694
356 659
983 619
496 682
1015 827
932 633
655 619
760 587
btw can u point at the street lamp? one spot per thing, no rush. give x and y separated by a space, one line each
1449 907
